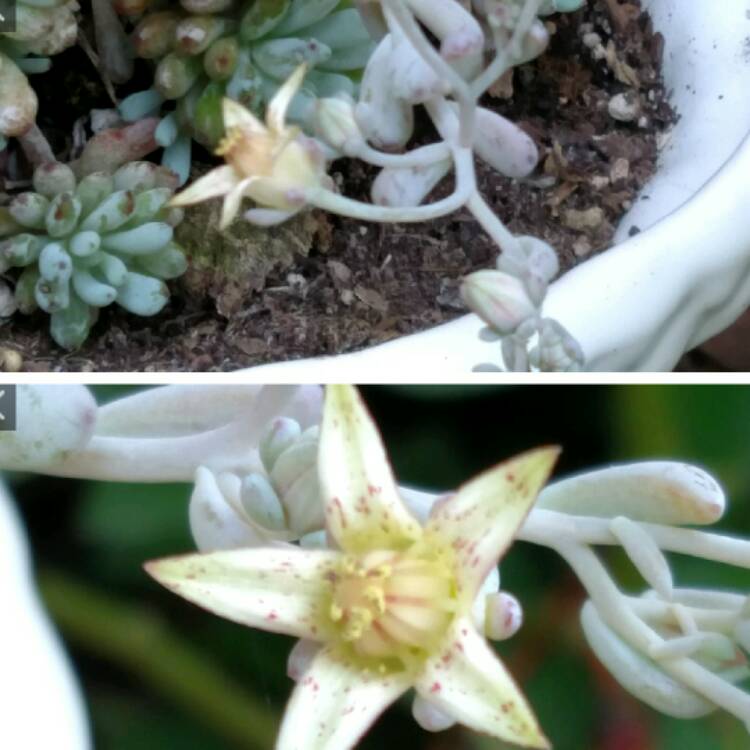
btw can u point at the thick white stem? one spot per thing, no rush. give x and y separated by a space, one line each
421 157
548 528
339 204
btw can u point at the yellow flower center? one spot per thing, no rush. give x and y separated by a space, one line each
391 604
251 154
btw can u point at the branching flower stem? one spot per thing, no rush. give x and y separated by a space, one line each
615 609
506 52
465 181
548 528
466 99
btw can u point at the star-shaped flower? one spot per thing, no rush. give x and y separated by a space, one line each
392 608
271 163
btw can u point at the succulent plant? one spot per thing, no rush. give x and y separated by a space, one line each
43 28
85 244
211 49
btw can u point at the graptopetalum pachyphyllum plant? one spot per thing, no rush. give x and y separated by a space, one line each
402 590
283 171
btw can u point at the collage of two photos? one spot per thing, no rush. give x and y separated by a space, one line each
521 227
463 567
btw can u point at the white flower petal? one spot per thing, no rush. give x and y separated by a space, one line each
280 589
278 106
482 518
237 116
232 201
217 182
468 681
362 505
335 702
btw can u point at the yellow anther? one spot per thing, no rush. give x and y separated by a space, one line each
228 142
375 596
381 571
359 619
336 612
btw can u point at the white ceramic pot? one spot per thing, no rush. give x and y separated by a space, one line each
41 703
682 279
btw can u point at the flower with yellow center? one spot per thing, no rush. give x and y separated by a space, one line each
392 608
271 163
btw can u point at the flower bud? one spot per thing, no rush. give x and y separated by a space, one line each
336 125
429 716
301 657
503 616
538 259
498 298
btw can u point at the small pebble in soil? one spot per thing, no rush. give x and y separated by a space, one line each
10 360
590 218
624 107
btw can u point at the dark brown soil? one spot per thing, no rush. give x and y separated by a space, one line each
363 284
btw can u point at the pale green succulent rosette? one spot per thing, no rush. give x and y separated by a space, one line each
85 244
246 55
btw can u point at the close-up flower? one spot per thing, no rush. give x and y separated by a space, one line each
271 163
391 607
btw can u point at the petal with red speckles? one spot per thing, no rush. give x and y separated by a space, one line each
335 702
280 589
469 682
363 508
481 519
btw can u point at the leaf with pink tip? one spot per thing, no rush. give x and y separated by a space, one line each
362 505
281 589
335 702
480 521
466 680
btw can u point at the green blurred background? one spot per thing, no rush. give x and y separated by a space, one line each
160 673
